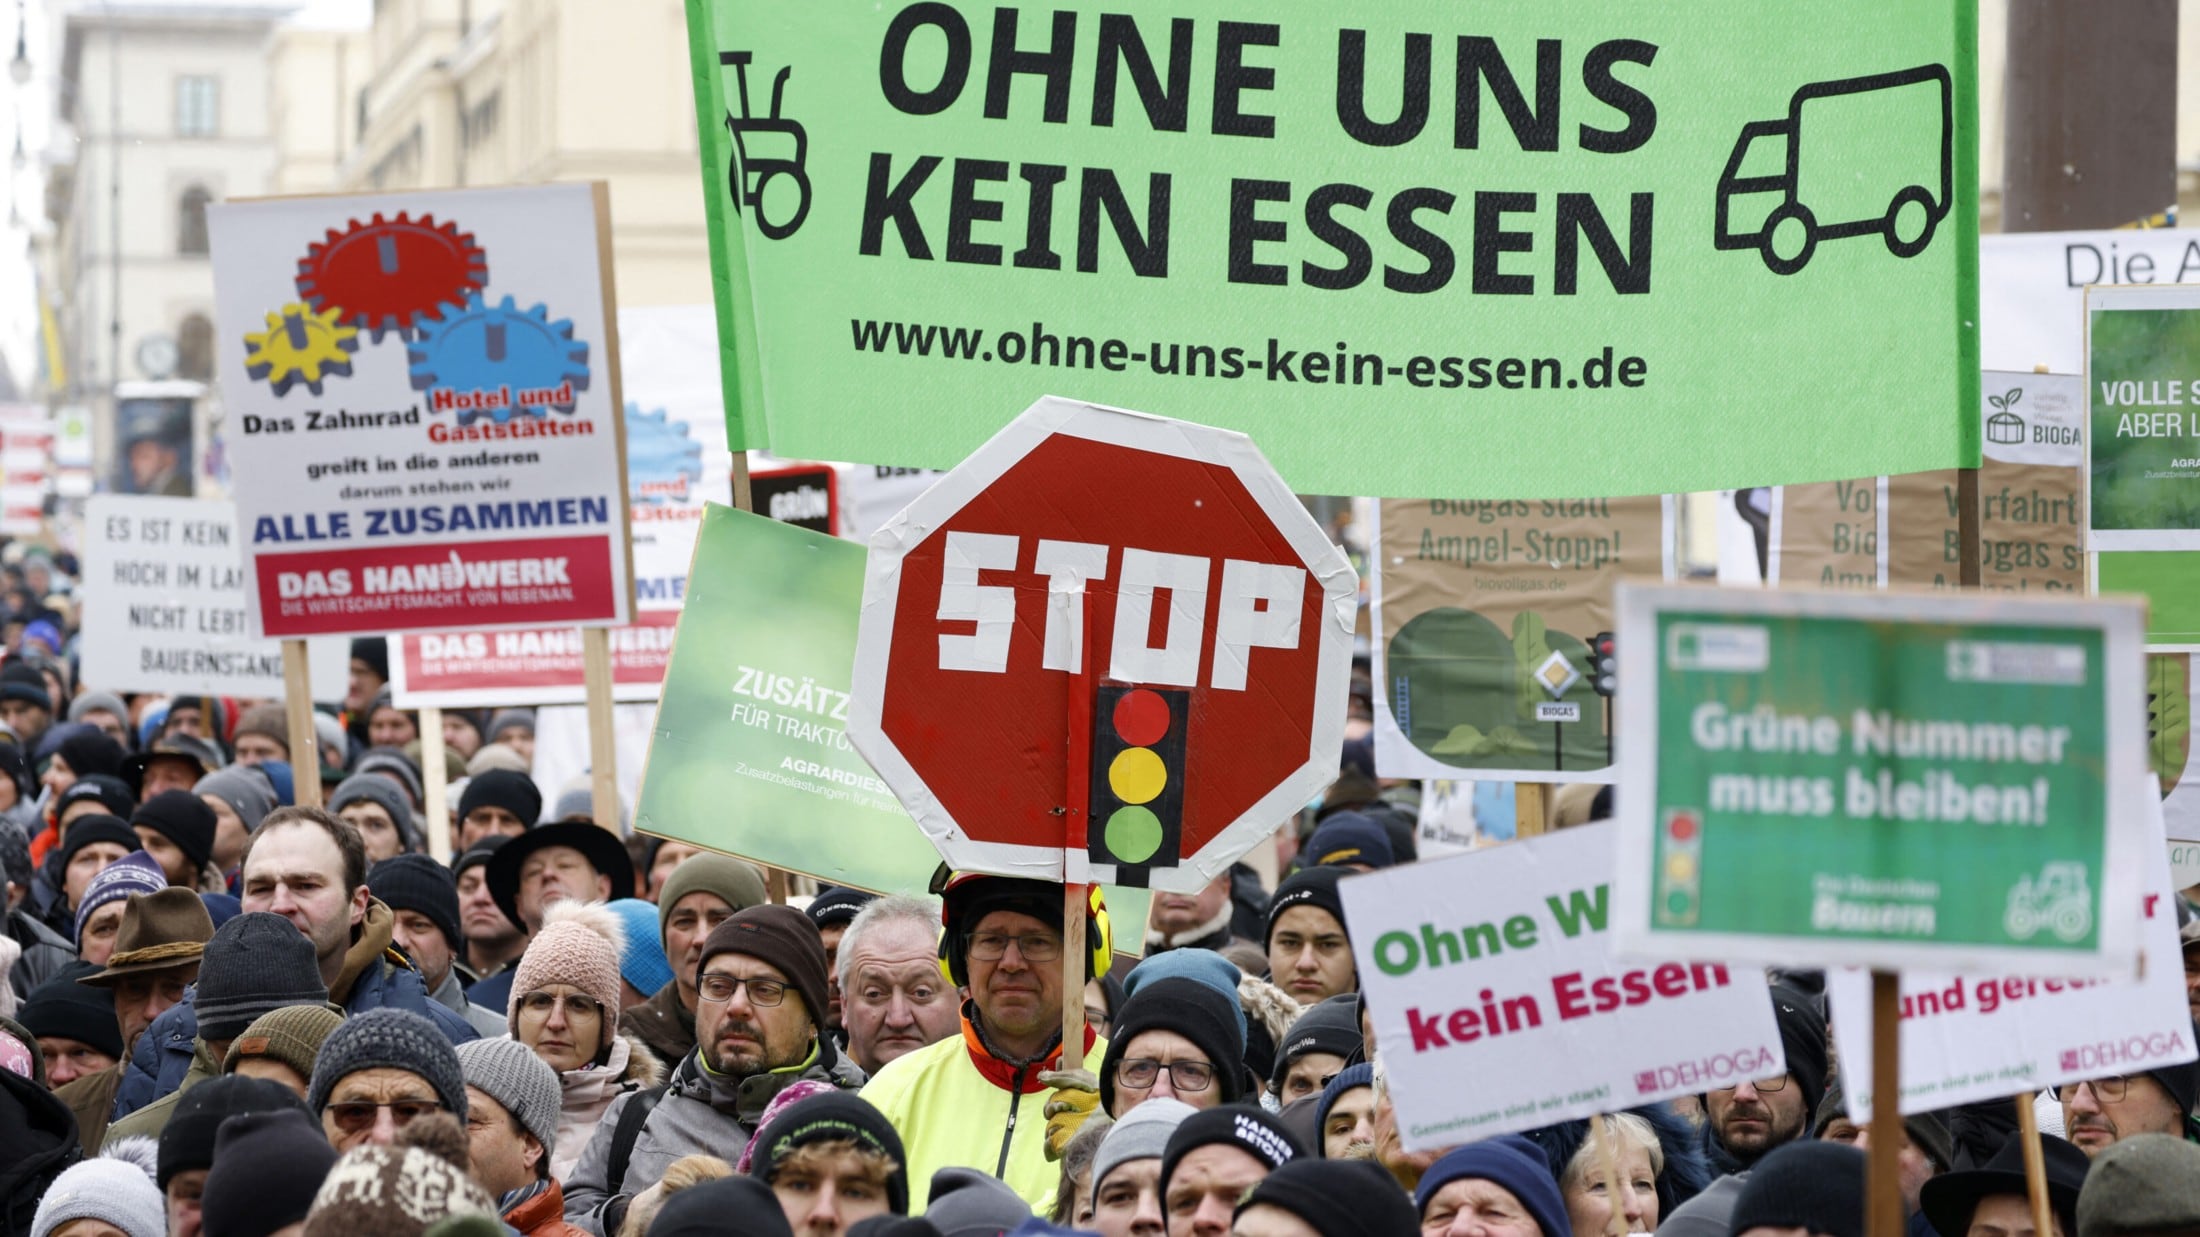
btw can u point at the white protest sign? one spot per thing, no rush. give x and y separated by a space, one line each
164 604
2031 287
1978 1037
1499 1006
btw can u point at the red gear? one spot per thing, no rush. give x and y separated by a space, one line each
387 274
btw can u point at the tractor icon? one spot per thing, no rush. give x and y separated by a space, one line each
2058 899
751 172
1858 157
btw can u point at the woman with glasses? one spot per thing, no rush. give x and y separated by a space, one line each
1175 1038
565 1006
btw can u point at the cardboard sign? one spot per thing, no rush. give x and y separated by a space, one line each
1888 780
1473 601
1216 615
1905 529
425 394
164 611
1274 222
748 755
1499 1005
1979 1037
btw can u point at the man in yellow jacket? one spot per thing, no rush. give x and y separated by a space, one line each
978 1099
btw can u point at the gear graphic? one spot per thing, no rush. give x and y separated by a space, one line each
386 275
300 346
662 462
526 363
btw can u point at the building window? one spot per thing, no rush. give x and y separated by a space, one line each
479 122
191 220
198 107
195 349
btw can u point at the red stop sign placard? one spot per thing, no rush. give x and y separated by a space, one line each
1132 552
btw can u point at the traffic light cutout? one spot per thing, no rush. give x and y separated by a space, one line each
1680 868
1135 808
1604 663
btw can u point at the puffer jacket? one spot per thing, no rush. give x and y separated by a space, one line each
586 1094
38 1139
702 1113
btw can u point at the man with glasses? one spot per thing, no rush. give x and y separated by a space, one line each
2101 1112
1747 1121
761 1003
1179 1039
978 1100
380 1071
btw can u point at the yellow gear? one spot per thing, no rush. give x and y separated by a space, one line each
300 346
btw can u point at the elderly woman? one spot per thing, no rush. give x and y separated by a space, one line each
1660 1161
566 1001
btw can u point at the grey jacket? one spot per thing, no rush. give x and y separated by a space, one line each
701 1114
450 996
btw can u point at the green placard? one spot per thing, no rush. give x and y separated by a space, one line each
2169 580
2143 418
747 756
1553 248
1887 780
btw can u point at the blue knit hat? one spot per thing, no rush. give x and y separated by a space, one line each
642 964
136 872
1510 1161
1204 965
1360 1074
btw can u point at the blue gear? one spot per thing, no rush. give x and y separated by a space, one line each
480 347
661 460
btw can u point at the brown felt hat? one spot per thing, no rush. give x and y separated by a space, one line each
159 931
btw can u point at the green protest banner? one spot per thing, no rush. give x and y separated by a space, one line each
748 754
1884 780
1492 239
2143 418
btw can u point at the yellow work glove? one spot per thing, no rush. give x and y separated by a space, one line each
1076 1097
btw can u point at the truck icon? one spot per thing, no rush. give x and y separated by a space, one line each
2057 899
1854 157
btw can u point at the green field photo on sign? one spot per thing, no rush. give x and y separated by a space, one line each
2168 579
2145 419
1469 695
1479 235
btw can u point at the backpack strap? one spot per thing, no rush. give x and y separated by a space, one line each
629 1129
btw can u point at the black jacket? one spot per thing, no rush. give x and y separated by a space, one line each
37 1140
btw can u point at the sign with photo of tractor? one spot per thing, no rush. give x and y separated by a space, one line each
1489 617
423 391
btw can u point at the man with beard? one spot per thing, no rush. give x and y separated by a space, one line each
1745 1122
757 1030
2101 1112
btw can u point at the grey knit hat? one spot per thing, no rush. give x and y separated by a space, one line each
510 1073
329 732
366 787
257 963
1141 1134
393 1039
2145 1183
246 790
393 760
98 702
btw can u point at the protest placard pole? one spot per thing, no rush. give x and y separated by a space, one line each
1615 1220
1531 809
1883 1174
603 748
2035 1163
436 782
305 744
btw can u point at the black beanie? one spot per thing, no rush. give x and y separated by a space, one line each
1338 1198
107 790
727 1207
89 751
419 884
187 1141
375 651
514 792
22 681
182 818
781 937
94 827
829 1117
64 1008
1815 1186
1192 1009
256 964
474 856
1254 1131
267 1167
1803 1037
1331 1026
835 904
1315 887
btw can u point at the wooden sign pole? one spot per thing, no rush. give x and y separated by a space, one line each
2035 1165
1075 821
1531 809
305 742
603 747
435 782
1883 1174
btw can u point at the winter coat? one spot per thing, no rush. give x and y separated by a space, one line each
38 1139
661 1022
956 1103
488 1023
542 1214
587 1093
374 975
45 952
702 1113
91 1098
153 1118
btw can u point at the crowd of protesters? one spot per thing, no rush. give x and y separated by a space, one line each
228 1013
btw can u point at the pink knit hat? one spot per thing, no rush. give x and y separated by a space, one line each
580 944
